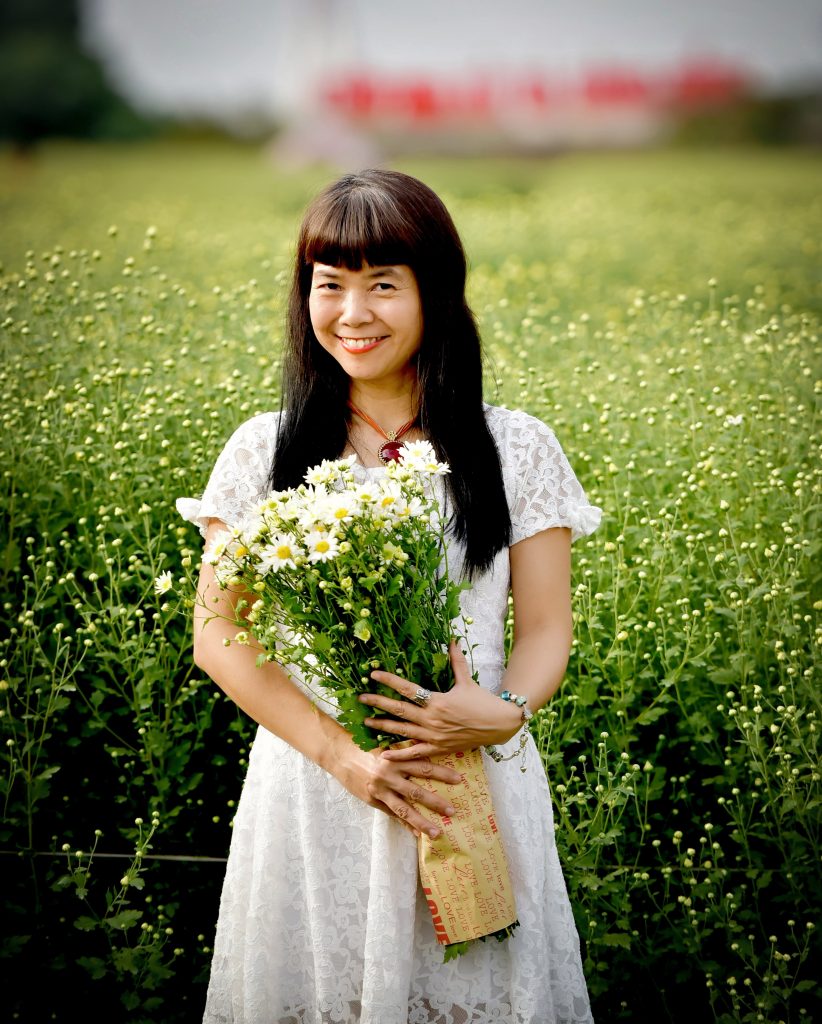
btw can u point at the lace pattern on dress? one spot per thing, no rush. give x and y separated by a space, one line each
542 489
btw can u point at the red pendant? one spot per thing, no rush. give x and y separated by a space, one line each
391 451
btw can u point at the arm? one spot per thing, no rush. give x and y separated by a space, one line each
268 696
469 716
541 587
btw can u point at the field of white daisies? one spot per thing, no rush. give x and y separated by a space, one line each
661 311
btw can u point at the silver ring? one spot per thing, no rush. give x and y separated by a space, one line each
421 697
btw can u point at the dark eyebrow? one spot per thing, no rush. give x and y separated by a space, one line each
383 272
387 271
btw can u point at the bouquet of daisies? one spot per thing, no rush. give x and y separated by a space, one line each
351 576
348 580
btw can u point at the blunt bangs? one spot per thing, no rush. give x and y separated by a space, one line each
359 222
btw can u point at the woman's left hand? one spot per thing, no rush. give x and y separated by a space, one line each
466 717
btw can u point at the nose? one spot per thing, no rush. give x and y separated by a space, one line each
355 308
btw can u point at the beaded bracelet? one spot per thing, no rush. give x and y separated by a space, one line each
520 702
493 753
496 756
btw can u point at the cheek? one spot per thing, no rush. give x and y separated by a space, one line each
321 316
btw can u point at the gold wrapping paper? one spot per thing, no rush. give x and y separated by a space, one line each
464 872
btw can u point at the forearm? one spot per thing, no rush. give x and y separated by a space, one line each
540 584
537 664
267 694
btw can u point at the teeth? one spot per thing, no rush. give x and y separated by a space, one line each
359 342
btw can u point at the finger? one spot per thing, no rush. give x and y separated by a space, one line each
459 664
396 728
398 708
423 768
411 817
405 824
418 794
395 682
419 750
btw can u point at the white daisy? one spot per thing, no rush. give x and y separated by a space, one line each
410 508
322 474
367 493
281 552
338 507
390 496
163 583
322 547
217 548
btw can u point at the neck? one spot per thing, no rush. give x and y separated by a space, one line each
389 408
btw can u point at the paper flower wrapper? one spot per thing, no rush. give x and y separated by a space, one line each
464 871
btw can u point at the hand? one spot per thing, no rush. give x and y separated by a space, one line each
395 788
463 719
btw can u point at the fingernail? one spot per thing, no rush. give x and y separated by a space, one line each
433 832
450 810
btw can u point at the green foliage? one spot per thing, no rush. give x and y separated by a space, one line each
683 747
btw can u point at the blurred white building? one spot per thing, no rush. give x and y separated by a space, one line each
347 76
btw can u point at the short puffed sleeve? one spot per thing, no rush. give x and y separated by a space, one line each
240 476
542 489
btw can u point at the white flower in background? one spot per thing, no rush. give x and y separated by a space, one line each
163 583
321 547
734 421
281 552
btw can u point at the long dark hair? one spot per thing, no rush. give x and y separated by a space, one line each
385 218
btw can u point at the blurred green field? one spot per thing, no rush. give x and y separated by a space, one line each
661 311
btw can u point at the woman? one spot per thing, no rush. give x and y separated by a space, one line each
322 919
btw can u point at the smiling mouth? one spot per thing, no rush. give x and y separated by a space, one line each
360 344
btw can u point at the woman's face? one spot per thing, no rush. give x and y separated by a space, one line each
369 320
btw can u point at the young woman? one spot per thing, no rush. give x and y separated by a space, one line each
322 919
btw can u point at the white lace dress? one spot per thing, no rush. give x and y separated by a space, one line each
322 920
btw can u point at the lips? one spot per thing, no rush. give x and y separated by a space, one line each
357 345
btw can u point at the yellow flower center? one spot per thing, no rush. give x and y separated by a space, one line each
241 551
340 513
323 546
283 551
389 499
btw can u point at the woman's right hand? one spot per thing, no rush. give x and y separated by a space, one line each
394 786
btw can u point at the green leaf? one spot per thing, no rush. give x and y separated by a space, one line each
322 643
615 939
94 965
362 631
125 919
85 923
